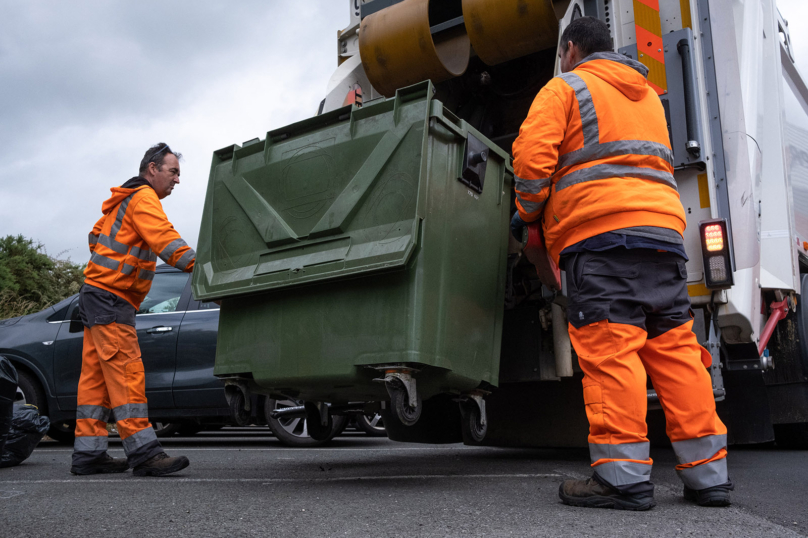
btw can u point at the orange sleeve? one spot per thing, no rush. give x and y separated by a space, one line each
152 225
93 237
535 152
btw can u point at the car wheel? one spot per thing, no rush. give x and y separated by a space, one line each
165 429
64 432
190 429
291 431
32 392
372 425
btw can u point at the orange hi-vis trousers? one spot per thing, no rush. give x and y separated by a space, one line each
630 317
112 387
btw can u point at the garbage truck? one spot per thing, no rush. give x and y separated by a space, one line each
363 260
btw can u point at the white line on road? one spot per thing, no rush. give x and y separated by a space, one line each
280 480
280 449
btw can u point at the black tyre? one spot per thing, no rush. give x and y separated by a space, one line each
165 429
240 415
318 430
292 431
400 402
64 432
473 430
791 436
190 429
32 391
373 425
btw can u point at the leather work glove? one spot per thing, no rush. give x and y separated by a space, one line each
517 225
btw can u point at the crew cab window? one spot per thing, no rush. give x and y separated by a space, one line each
164 294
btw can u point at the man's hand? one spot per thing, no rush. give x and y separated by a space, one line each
517 225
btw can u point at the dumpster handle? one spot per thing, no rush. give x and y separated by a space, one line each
449 124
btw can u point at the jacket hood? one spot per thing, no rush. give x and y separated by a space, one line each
625 74
119 193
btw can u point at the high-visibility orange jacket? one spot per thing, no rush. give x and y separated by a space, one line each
126 241
593 155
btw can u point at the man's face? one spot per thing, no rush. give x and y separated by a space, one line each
568 58
164 177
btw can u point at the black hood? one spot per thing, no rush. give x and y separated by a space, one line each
136 182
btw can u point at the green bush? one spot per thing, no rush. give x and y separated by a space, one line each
30 279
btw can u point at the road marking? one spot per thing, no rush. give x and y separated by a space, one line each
289 449
281 480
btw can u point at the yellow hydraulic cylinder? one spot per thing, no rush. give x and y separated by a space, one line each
398 49
501 30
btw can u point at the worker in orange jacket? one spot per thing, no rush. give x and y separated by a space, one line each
124 246
593 162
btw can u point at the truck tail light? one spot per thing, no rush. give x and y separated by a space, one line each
715 253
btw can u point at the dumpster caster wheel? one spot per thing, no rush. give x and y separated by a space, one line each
473 429
474 423
240 415
315 415
400 402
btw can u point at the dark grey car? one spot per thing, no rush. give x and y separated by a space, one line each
177 337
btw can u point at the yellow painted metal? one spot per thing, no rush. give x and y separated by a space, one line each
698 290
501 30
398 50
684 6
704 191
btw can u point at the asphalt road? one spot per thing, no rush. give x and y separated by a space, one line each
243 483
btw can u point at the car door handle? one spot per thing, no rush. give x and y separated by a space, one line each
159 330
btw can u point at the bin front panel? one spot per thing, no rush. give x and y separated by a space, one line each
331 197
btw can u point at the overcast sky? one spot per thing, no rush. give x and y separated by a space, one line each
87 86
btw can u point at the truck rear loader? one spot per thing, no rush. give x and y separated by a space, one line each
363 257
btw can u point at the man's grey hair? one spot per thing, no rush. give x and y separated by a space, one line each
157 154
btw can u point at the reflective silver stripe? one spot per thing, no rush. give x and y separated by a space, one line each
139 439
623 473
91 444
530 207
112 244
152 256
614 149
96 412
626 451
116 226
699 449
589 119
132 410
172 248
531 186
145 274
93 239
103 261
139 253
186 258
706 475
127 269
607 171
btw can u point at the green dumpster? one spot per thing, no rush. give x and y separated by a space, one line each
359 245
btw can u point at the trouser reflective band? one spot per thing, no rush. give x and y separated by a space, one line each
702 461
95 412
141 446
97 443
621 464
131 410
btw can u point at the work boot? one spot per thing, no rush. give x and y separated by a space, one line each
713 496
105 464
161 465
590 493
